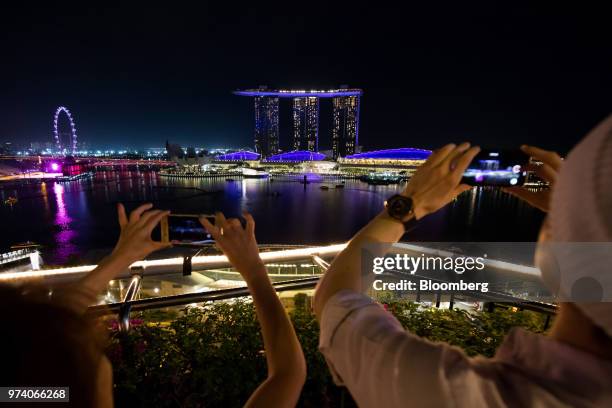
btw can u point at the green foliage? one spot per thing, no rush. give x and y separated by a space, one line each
210 357
214 356
475 333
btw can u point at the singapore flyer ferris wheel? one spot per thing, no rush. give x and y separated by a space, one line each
62 147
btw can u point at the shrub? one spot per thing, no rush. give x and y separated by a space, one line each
213 356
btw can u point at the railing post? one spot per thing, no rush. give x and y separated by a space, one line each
547 322
132 292
187 261
187 268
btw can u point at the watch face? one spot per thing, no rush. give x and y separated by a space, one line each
399 206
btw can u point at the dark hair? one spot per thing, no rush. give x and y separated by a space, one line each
44 344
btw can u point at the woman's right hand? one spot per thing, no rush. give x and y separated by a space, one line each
548 171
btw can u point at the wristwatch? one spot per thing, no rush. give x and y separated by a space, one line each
400 207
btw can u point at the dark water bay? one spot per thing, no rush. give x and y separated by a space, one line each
77 220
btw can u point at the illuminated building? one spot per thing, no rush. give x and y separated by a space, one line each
241 155
394 161
305 119
296 156
399 155
345 130
306 123
266 125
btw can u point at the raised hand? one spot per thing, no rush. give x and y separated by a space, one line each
548 171
286 364
133 245
237 243
135 241
436 182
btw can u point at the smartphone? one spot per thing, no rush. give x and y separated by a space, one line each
497 168
185 229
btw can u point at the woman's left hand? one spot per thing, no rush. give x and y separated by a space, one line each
135 241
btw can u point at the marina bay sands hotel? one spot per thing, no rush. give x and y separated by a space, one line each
345 127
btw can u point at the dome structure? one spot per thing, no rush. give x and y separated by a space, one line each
296 156
242 155
404 153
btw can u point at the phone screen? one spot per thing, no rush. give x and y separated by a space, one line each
497 168
185 229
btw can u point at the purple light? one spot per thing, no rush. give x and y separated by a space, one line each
55 166
296 156
282 93
239 156
404 153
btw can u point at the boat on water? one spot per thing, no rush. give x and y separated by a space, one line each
20 257
81 176
230 179
254 172
324 187
383 179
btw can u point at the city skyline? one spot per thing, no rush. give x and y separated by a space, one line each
504 77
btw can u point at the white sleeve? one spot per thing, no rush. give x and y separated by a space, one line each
381 364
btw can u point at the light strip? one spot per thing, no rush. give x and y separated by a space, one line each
281 93
168 265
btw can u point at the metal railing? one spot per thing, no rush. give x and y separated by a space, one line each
198 262
492 300
131 294
197 297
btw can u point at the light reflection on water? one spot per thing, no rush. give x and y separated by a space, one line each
61 216
65 237
80 219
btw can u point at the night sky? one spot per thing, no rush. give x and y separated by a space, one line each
135 76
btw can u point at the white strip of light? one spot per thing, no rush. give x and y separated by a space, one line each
198 262
507 266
